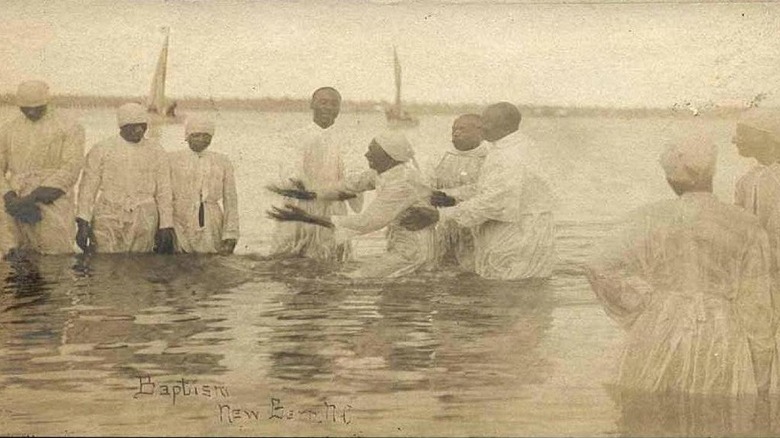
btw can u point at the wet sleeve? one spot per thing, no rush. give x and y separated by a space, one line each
496 192
390 201
90 183
72 160
356 183
163 193
462 193
754 302
230 203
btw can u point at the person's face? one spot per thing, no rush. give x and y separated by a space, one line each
492 124
33 113
377 158
199 141
466 133
133 132
325 107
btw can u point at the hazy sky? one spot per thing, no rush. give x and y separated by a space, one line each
592 54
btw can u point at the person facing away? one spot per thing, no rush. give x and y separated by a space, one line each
457 173
399 185
510 212
41 155
205 202
688 279
316 162
125 202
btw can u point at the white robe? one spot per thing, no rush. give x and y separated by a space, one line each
48 152
314 158
125 192
457 174
397 189
689 280
511 214
205 177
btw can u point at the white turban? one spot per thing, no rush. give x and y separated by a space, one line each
32 94
131 113
764 120
198 124
396 145
691 160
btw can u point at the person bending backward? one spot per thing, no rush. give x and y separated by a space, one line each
688 279
398 186
510 212
201 181
125 202
41 155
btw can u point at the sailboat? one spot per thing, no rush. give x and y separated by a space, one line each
397 117
161 109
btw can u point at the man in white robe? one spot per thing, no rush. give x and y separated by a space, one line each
689 281
41 155
399 185
457 173
125 202
511 210
205 202
315 160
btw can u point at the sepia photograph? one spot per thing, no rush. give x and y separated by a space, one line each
389 218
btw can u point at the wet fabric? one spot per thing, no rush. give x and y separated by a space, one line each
511 200
125 192
315 157
50 153
205 201
457 174
397 189
688 279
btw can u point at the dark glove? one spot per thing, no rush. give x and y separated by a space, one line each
417 218
164 241
227 246
84 238
441 199
22 209
46 195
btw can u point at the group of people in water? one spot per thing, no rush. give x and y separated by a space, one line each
693 280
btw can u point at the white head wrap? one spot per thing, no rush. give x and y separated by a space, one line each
691 160
130 113
32 94
198 124
396 145
762 119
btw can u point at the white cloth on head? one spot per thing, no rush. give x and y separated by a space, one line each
200 125
396 145
131 113
203 178
125 192
50 153
691 160
689 280
762 119
32 94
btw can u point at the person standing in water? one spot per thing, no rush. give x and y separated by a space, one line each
201 181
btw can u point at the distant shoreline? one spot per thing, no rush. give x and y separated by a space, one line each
302 105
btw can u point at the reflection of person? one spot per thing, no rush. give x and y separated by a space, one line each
688 279
41 155
457 174
317 162
201 181
133 211
398 186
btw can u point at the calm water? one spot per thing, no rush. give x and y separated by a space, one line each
245 346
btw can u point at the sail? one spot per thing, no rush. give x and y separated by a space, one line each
157 102
397 66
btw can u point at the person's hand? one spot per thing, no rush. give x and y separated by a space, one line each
84 238
441 199
46 195
418 218
164 241
227 246
22 209
291 213
298 191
